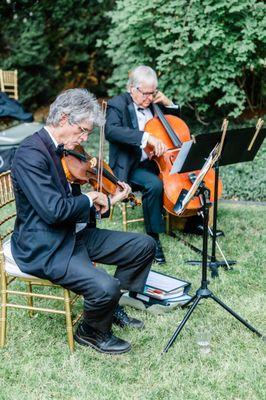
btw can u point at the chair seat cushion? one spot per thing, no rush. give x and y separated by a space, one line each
11 267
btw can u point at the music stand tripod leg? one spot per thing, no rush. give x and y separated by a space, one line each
190 301
234 314
182 324
203 292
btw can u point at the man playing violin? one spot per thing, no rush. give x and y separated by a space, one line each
55 235
127 115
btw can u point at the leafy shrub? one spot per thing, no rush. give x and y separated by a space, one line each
208 53
246 181
52 44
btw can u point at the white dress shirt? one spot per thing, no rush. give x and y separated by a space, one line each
143 116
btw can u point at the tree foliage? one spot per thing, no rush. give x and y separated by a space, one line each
209 54
53 45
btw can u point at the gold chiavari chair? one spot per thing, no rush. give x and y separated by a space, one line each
11 274
127 207
124 208
9 83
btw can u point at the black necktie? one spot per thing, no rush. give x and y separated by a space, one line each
60 150
141 110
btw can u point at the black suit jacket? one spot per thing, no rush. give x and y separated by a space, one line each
47 212
123 133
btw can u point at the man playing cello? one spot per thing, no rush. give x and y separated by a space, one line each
127 115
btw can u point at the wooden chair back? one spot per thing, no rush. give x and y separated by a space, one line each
9 83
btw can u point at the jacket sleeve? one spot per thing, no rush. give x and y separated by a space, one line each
117 132
171 110
32 174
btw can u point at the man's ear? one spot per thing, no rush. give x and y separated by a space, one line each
63 120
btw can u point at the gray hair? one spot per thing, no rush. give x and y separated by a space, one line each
78 104
141 74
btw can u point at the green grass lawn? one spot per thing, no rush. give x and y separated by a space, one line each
36 363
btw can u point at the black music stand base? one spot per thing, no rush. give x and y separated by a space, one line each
214 265
203 292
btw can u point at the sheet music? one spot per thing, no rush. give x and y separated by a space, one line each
182 155
163 282
206 167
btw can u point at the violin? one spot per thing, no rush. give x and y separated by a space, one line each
81 168
173 131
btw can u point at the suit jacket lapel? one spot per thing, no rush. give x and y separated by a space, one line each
133 116
45 137
132 112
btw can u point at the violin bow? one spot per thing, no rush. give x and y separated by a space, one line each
101 149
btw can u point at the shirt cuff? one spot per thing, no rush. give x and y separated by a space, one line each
91 202
144 140
172 105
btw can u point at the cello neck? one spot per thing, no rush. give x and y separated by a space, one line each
171 133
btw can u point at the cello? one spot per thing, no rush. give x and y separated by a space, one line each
173 131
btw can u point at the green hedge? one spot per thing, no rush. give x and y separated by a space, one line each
209 54
246 181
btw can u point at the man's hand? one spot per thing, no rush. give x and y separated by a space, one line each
100 201
120 193
158 146
161 98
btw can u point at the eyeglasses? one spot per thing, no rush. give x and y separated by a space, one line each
147 94
83 131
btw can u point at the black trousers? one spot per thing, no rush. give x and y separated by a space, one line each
132 253
145 179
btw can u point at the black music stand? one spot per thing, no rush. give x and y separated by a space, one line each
238 145
203 291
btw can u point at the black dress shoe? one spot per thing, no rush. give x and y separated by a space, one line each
123 320
104 342
219 232
194 229
198 230
159 254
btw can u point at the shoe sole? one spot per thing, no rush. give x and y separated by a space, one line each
159 262
83 342
138 328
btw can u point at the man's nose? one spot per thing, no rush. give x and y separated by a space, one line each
84 137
